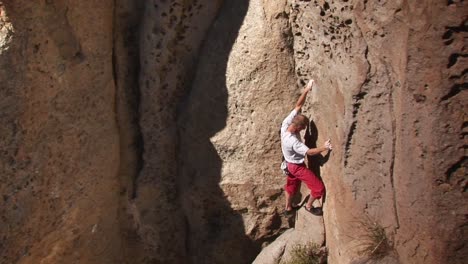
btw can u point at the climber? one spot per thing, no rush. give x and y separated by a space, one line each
294 152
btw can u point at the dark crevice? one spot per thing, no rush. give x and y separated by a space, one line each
448 42
458 29
114 63
127 96
138 143
139 148
359 96
356 106
454 2
464 72
322 12
455 167
392 161
348 142
447 34
453 59
454 90
465 125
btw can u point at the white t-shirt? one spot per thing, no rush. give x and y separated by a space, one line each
293 149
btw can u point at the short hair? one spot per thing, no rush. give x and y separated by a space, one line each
300 120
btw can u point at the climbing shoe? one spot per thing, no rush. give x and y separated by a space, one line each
289 213
314 210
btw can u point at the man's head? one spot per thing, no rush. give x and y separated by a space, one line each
300 122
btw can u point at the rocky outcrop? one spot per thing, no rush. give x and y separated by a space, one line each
59 137
147 131
170 36
392 98
309 230
228 182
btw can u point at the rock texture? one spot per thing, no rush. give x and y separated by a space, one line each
147 131
228 195
170 37
392 80
308 230
59 137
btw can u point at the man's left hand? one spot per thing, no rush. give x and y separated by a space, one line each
328 145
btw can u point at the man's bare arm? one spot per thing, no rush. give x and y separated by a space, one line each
301 100
315 151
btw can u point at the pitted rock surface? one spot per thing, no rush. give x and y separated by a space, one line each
147 131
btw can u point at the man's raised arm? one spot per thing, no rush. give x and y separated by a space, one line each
301 100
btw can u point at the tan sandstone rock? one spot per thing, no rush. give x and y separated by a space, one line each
309 229
391 98
147 131
59 137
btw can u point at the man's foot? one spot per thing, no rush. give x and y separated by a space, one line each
292 210
314 210
288 213
296 207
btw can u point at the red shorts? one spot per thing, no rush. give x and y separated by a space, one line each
298 173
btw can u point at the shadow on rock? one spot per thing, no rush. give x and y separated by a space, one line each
215 232
315 162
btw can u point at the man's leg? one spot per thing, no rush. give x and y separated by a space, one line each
310 202
288 206
291 187
315 185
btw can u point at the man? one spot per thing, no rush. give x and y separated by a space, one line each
294 152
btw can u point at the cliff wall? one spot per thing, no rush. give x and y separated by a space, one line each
392 99
147 131
59 136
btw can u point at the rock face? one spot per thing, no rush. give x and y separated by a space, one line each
59 137
392 98
309 230
147 131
